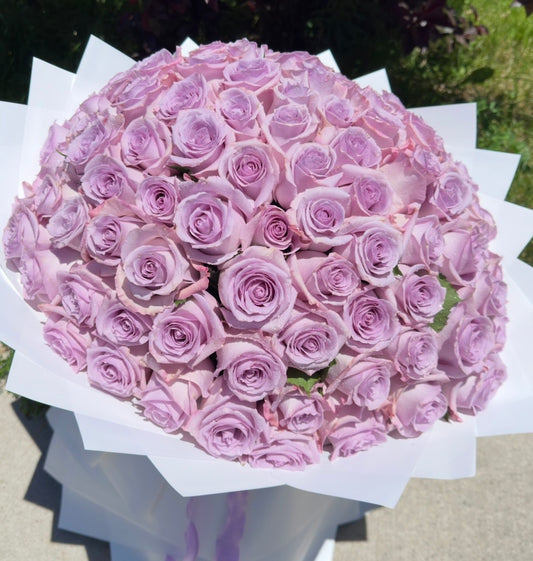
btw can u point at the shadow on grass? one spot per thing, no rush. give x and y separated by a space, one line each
45 491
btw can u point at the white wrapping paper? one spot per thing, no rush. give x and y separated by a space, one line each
377 476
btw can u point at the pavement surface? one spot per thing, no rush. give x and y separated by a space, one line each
488 517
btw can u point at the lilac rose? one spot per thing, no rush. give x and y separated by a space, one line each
114 370
416 355
425 244
272 229
295 411
104 236
146 144
256 291
122 326
355 146
23 231
157 197
188 93
105 177
291 124
371 193
188 333
450 194
66 339
67 225
286 450
251 368
241 110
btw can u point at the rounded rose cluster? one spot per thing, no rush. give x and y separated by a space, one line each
261 254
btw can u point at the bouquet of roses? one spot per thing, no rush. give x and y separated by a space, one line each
262 255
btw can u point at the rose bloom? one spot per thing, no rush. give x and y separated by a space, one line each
153 271
210 220
146 144
47 195
67 225
326 279
312 339
425 245
292 409
354 429
226 427
157 197
355 146
105 177
251 368
38 276
364 380
81 294
252 168
198 136
122 326
465 341
416 408
272 229
371 193
473 393
188 93
23 231
371 321
420 297
114 370
375 250
450 194
188 333
319 214
416 355
256 291
66 339
291 124
338 111
170 405
286 450
241 110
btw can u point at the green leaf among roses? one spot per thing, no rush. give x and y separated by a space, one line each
305 381
450 300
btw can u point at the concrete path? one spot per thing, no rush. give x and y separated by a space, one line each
489 517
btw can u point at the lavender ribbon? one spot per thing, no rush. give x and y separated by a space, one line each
228 541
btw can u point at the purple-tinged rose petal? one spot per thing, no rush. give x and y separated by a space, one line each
23 231
199 135
256 291
114 370
354 430
226 427
47 196
416 355
286 450
240 109
370 190
372 322
364 380
146 144
65 339
187 334
122 326
355 146
67 225
188 93
251 368
450 194
339 111
416 408
295 411
273 230
105 177
104 235
157 197
425 244
420 298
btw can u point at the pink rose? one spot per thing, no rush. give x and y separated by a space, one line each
355 146
286 450
256 291
371 321
416 408
295 411
416 355
188 333
146 144
241 109
114 370
375 250
251 368
473 393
